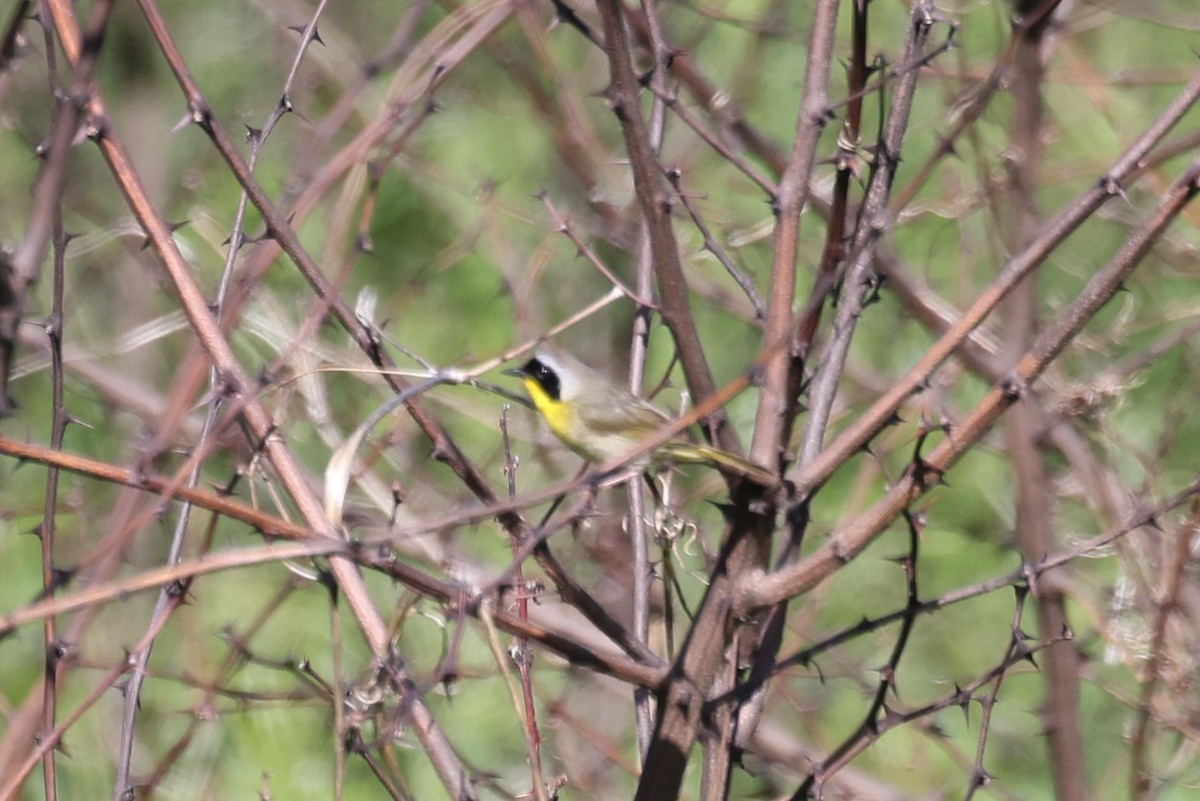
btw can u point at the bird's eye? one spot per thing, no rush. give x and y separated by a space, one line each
546 378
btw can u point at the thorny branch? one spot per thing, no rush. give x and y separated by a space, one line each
746 157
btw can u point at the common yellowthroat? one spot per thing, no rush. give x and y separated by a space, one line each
602 422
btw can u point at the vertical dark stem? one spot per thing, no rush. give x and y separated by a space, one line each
770 421
789 365
55 649
1035 504
655 201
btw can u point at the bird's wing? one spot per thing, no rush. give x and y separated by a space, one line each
621 413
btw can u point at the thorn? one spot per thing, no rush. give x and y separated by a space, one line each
92 129
228 488
60 650
60 577
440 453
300 29
888 674
963 701
201 113
918 519
980 778
1022 590
52 325
172 227
184 122
1026 654
926 475
873 284
1111 186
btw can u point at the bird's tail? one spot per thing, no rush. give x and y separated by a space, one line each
687 453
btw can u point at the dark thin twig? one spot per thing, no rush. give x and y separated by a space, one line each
1017 652
168 599
747 542
888 683
638 346
284 235
851 539
806 323
745 167
15 777
520 653
563 226
12 33
860 284
712 246
19 271
1167 604
1017 649
653 200
808 477
56 651
1023 425
1026 574
257 418
237 643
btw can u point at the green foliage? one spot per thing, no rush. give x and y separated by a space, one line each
425 170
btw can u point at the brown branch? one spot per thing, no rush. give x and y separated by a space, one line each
807 478
860 282
274 527
1034 501
259 420
747 544
1140 780
655 201
20 271
774 403
847 542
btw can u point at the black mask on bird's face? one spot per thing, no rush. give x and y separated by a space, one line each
543 375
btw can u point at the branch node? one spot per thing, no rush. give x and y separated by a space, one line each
199 113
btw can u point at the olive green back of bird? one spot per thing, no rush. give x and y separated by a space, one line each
603 422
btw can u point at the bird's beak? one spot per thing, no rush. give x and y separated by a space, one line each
515 372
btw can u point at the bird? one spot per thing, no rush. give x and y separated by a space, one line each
603 422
